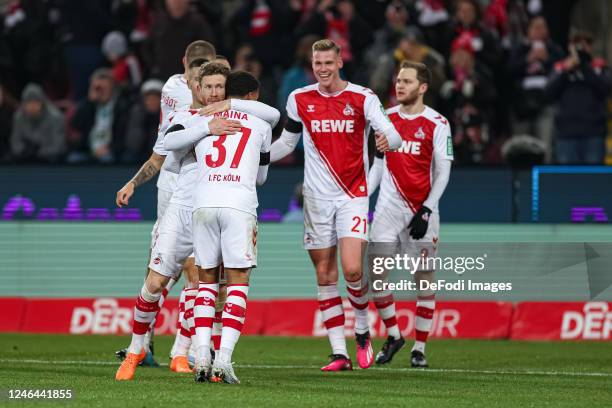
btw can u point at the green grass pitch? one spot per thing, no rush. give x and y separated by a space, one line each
283 371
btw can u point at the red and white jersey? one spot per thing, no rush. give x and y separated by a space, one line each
335 130
228 164
175 96
186 178
407 174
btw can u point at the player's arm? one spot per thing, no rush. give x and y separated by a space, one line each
376 172
290 136
256 108
264 158
441 175
183 138
287 141
376 115
442 158
148 170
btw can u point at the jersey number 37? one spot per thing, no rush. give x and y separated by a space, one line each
221 155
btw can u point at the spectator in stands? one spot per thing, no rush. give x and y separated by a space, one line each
337 20
38 128
433 18
466 100
410 47
300 74
100 120
125 66
267 26
246 60
530 64
388 36
580 84
467 27
143 123
31 41
173 29
83 25
7 107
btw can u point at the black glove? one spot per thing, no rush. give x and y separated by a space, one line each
419 223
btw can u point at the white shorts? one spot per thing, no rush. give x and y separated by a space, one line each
173 242
224 236
326 221
163 201
391 225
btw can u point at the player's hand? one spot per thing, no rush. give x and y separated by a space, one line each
215 107
419 223
382 144
222 126
124 195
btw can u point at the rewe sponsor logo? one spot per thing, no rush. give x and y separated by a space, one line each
410 147
593 323
106 316
332 125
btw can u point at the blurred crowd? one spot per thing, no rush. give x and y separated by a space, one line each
81 80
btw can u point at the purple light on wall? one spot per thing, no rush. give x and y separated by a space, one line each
98 214
15 204
270 215
73 211
580 214
48 214
127 214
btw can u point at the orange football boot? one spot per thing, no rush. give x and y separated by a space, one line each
180 364
128 367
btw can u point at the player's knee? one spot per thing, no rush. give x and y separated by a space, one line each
352 273
154 287
189 264
156 282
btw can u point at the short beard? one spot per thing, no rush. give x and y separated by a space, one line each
411 98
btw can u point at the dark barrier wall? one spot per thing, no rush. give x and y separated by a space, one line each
473 195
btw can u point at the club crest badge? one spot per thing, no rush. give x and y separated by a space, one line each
348 110
419 134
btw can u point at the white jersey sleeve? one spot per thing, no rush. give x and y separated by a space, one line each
176 96
292 110
256 108
267 142
377 117
443 142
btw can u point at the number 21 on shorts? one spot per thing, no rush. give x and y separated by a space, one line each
360 222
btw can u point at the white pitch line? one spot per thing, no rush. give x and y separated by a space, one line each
307 367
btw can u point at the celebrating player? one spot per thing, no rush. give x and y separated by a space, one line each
176 95
335 117
225 222
172 245
413 180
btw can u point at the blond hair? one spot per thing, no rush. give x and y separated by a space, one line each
326 45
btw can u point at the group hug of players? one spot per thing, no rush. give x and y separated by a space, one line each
214 147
